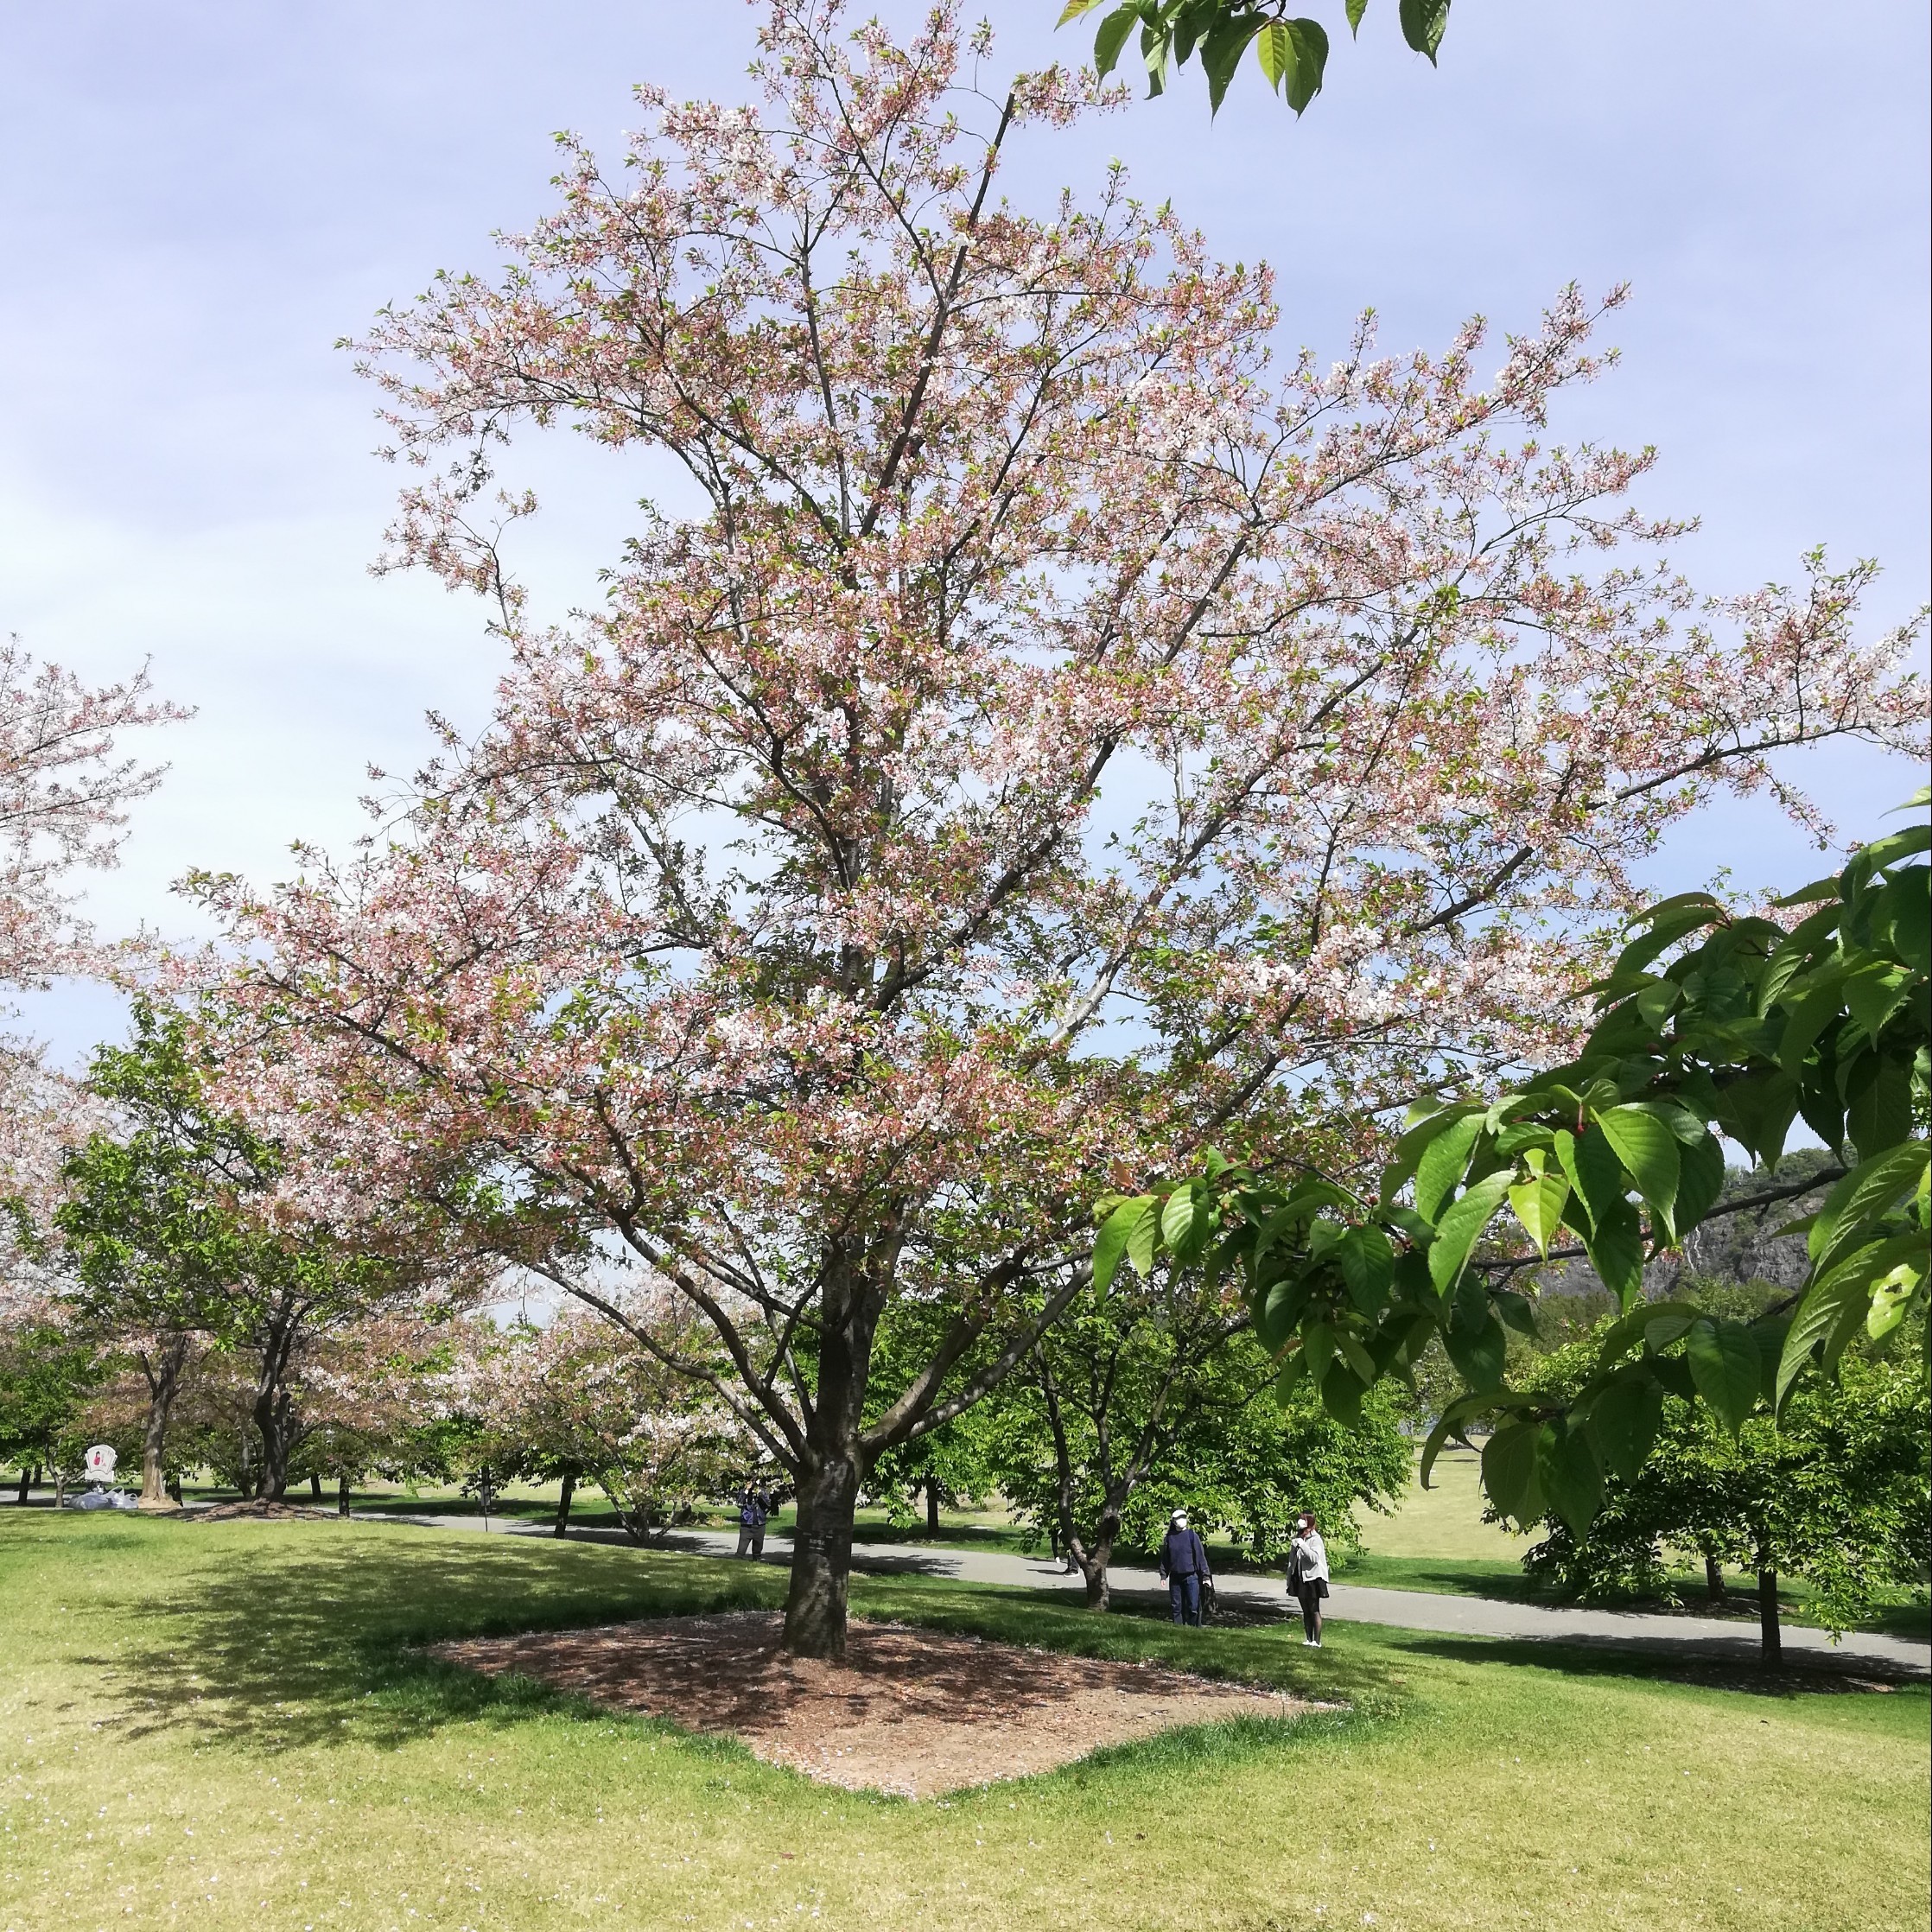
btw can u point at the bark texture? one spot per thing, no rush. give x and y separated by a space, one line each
162 1367
1770 1631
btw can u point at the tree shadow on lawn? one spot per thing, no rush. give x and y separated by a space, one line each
285 1648
1704 1664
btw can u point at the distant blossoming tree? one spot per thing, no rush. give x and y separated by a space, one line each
579 1399
1060 731
65 790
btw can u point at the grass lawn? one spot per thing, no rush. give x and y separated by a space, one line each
220 1725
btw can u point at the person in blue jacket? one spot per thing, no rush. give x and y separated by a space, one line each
1183 1563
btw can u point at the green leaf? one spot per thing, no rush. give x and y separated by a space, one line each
1615 1246
1658 1001
1903 918
1871 1188
1274 49
1724 1364
1156 43
1757 1112
1111 38
1877 1103
1593 1169
1368 1266
1110 1244
1629 1331
1357 1356
1406 1221
1792 955
1809 895
1895 846
1341 1394
1624 1418
1816 1007
1141 1238
1318 1343
1074 8
1423 22
1447 1424
1462 1226
1509 1473
1667 922
1444 1162
1177 1218
1517 1311
1839 1300
1700 1182
1649 1149
1221 52
1355 10
1873 992
1280 1310
1477 1351
1293 1371
1890 1298
1573 1484
1416 1141
1304 79
1539 1203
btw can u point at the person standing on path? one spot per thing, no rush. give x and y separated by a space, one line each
1308 1577
1183 1563
754 1507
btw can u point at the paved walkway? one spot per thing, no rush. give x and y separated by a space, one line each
1413 1610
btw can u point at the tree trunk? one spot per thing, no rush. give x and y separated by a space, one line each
21 1496
163 1371
274 1425
822 1560
272 1486
1772 1655
341 1496
274 1408
569 1489
315 1486
1714 1578
834 1464
1093 1567
931 1508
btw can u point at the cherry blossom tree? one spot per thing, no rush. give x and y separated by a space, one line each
189 1223
1058 729
65 791
579 1399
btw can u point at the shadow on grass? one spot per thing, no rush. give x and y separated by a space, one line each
1706 1665
290 1643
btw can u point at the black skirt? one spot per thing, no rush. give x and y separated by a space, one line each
1311 1589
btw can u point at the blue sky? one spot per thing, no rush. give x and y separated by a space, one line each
196 202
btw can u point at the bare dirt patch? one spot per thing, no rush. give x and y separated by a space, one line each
912 1712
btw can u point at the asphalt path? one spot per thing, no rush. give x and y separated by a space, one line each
1716 1639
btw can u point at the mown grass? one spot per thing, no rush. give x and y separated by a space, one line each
224 1726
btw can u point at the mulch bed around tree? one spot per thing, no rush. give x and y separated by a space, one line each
912 1712
259 1512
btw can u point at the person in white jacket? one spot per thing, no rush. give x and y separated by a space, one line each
1308 1577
